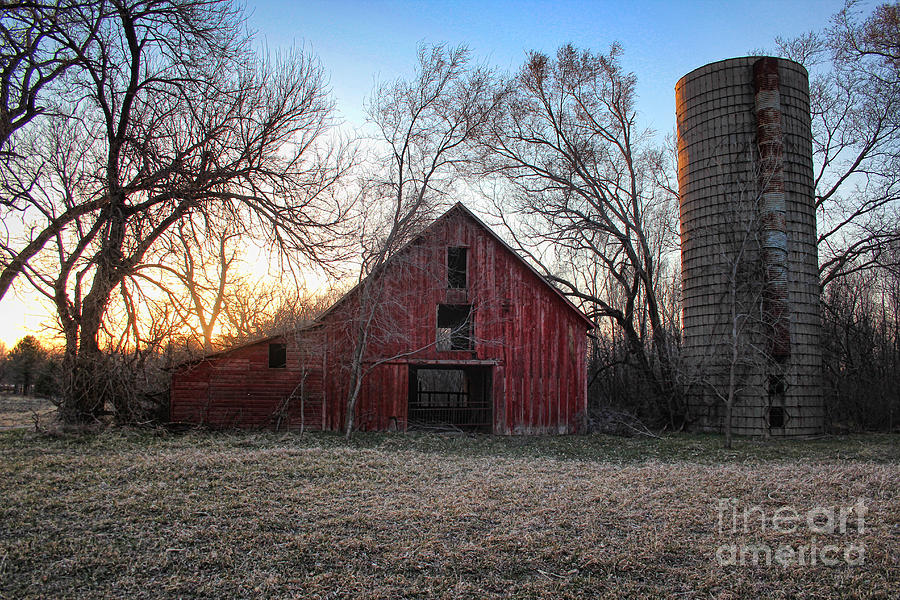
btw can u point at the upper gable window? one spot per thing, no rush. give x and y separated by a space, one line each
456 267
277 356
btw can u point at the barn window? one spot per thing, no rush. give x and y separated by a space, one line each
277 356
456 267
454 323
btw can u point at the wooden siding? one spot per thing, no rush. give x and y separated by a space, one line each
238 389
532 340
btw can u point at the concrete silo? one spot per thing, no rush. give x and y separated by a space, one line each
748 233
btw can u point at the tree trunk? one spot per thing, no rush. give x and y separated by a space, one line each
728 410
207 337
356 385
359 351
356 377
89 388
660 382
732 369
303 402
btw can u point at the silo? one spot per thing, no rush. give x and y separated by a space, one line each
748 247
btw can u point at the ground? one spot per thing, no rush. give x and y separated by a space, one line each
147 514
19 411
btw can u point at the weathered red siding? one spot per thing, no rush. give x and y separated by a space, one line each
532 340
238 389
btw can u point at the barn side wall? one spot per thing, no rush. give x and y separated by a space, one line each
237 389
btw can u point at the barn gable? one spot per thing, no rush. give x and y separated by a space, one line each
459 210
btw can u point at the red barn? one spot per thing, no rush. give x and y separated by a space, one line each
459 329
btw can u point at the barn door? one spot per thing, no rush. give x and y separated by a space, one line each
450 397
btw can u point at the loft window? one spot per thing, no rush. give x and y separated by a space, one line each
277 356
454 327
456 267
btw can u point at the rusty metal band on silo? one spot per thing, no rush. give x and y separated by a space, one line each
772 205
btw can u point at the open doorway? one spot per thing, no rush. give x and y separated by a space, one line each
450 397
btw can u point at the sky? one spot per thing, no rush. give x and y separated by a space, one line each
360 43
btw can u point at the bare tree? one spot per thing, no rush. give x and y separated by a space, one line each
40 41
737 351
310 349
254 309
585 197
855 100
422 127
200 265
173 115
861 351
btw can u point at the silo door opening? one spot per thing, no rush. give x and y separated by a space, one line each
450 398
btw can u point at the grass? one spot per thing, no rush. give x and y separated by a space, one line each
245 515
19 411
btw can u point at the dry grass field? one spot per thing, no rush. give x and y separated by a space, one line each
19 411
131 514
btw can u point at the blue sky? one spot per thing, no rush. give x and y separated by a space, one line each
360 41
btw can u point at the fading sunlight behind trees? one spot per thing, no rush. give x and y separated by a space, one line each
162 115
144 147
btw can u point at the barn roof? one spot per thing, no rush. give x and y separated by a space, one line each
460 208
247 344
